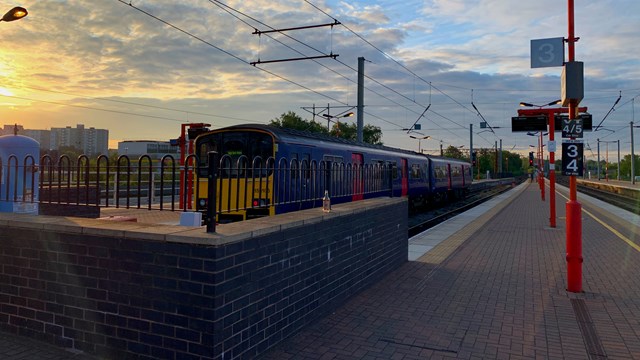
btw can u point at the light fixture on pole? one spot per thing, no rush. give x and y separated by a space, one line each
16 13
555 102
331 117
419 141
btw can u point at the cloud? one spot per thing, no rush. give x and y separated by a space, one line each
464 48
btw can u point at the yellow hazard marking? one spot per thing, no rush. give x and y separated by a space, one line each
614 231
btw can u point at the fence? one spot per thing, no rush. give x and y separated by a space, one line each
229 187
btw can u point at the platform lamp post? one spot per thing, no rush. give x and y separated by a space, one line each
606 161
633 155
552 160
539 157
336 117
16 13
420 141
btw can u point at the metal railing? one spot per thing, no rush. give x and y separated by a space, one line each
293 184
231 185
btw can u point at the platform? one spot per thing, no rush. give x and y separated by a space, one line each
495 288
489 283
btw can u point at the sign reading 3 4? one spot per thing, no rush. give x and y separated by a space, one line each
572 153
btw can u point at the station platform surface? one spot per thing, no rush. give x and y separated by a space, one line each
488 284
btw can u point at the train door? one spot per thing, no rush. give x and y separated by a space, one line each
358 179
405 177
450 176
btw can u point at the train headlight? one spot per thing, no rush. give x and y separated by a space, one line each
260 202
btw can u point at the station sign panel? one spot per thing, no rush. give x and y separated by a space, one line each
547 52
572 128
529 123
572 155
587 121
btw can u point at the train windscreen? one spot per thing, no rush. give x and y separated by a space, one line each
240 148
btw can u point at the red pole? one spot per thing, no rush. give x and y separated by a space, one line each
573 207
539 155
182 141
552 173
541 165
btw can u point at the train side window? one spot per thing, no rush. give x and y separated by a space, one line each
332 159
415 171
305 165
260 145
378 168
394 169
204 149
293 165
210 143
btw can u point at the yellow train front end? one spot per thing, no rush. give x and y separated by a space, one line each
244 185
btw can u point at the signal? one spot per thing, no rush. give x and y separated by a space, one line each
530 158
473 158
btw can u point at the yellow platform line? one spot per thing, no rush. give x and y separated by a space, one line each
606 226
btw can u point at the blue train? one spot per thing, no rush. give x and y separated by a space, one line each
264 170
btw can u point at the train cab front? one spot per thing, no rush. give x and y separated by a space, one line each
244 173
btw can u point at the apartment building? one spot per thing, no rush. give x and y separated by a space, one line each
90 141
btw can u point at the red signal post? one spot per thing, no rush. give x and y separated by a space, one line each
185 149
573 207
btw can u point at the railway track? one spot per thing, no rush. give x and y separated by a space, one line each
615 199
419 222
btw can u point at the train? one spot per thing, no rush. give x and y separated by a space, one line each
263 170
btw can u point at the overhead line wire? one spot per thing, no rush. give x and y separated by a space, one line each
229 53
389 57
226 8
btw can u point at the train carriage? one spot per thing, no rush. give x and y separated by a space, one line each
265 170
450 178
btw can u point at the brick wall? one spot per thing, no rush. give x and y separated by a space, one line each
120 297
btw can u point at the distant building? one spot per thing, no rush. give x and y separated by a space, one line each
9 129
89 141
155 149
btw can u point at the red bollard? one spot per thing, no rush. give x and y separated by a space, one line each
574 246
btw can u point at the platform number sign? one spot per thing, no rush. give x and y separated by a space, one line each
572 158
547 52
572 128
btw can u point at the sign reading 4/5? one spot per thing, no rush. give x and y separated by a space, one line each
572 158
572 128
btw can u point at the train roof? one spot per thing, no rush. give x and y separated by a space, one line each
287 133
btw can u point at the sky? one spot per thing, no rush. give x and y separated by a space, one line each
140 68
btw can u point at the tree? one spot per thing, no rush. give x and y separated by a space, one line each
625 166
291 120
454 153
370 134
514 163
